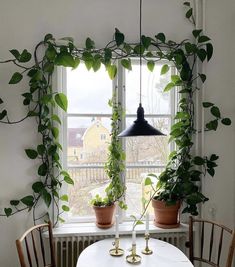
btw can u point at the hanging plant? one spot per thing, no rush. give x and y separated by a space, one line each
180 178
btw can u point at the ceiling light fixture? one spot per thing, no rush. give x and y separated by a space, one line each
140 127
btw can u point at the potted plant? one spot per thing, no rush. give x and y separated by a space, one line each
104 207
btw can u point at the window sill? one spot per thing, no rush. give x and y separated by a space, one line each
90 229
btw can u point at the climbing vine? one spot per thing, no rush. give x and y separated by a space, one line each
42 101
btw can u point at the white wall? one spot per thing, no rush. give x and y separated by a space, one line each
24 23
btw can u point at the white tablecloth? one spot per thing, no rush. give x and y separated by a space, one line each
164 254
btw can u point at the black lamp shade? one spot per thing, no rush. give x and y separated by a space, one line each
140 127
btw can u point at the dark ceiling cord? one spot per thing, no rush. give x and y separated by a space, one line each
140 33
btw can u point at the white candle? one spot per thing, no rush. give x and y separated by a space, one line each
117 227
147 223
133 238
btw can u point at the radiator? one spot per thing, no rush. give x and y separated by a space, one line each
68 249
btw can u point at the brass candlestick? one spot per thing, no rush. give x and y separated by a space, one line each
133 258
147 251
116 251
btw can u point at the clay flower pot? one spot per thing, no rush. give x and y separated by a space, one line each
104 216
166 216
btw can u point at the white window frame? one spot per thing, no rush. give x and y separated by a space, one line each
119 85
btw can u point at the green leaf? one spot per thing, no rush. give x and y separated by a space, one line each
1 101
8 211
61 220
186 3
126 63
165 69
55 132
189 13
168 87
64 173
198 161
215 111
28 200
68 180
148 181
42 170
175 79
65 59
146 41
214 157
207 104
48 37
202 54
65 208
37 187
41 149
46 197
196 33
14 202
51 53
3 114
212 125
211 172
161 37
119 37
138 222
15 53
56 118
25 56
62 101
31 153
16 78
203 39
139 49
64 198
112 71
151 65
226 121
90 44
209 51
203 77
96 64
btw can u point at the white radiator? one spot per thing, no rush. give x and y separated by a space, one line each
68 249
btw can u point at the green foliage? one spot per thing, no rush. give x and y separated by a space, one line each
179 181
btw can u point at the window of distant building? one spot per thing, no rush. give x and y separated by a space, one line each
88 125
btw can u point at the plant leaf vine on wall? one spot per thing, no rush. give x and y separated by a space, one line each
42 101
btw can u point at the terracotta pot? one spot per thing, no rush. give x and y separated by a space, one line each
104 216
166 216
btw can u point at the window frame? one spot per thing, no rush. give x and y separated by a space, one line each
119 87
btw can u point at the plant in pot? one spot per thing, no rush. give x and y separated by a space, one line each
104 207
179 184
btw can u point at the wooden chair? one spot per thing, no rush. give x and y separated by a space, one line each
206 255
31 247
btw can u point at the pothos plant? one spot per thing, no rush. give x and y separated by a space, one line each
114 165
41 101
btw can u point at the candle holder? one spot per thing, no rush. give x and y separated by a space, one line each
116 251
133 258
147 251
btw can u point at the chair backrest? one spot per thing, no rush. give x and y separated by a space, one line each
32 250
212 254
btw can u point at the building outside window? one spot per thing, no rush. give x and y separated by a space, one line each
88 130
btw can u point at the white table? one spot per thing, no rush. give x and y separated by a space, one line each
164 254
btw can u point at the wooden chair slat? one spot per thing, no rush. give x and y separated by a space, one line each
42 247
211 241
28 252
202 240
220 245
34 249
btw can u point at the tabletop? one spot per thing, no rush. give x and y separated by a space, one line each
164 254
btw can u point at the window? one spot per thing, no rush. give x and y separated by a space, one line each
88 131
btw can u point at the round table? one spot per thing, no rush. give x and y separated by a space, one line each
164 254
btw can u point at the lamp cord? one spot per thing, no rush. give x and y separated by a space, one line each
140 51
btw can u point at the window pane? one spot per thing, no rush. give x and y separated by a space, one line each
88 91
149 149
136 190
88 140
89 179
154 100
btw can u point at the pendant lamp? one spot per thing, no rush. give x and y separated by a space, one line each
140 127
